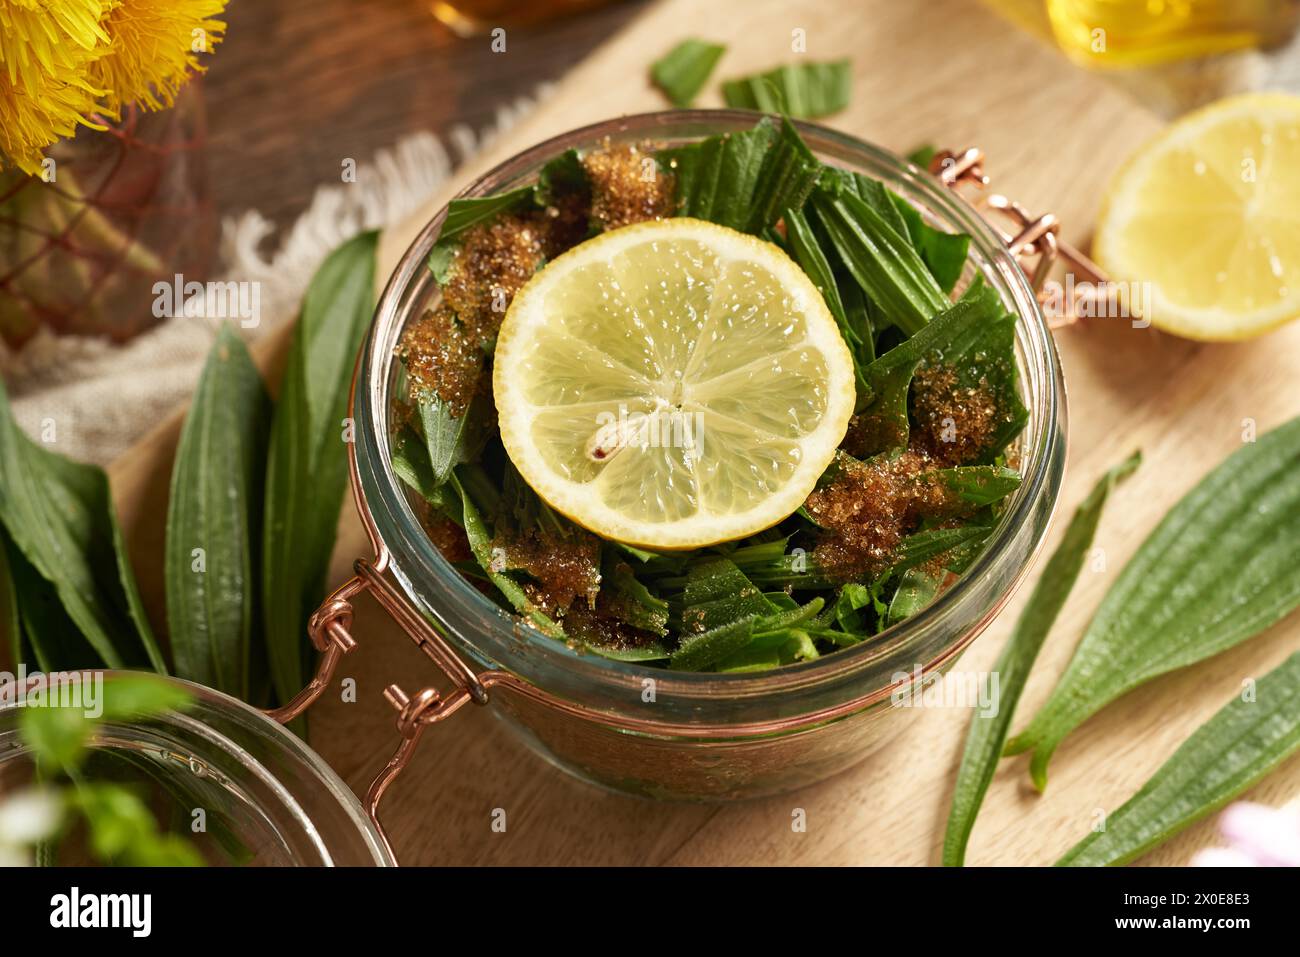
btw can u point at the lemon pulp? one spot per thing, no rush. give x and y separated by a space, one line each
672 384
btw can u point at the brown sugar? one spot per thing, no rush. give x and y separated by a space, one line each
494 261
627 186
441 358
953 423
563 568
444 350
868 508
602 626
448 537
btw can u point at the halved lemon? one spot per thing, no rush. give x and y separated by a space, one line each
1208 213
672 384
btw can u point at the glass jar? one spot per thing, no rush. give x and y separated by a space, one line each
698 736
267 798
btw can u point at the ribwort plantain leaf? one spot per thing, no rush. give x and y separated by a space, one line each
51 637
1222 566
682 72
13 636
988 732
1242 743
214 521
60 517
798 89
307 471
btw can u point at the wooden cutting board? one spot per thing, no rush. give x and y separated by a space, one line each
951 73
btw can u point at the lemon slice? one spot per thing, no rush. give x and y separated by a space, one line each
1208 214
672 384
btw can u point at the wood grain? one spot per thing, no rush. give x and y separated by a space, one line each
951 73
296 88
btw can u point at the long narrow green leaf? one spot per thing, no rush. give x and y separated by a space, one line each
918 587
214 521
410 457
307 472
920 547
682 72
979 484
9 618
60 516
944 254
54 640
631 602
808 254
1222 566
1242 743
470 211
988 731
872 192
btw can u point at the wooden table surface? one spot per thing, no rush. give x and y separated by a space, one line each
1053 136
298 86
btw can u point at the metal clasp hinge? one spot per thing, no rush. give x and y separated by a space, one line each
330 630
1035 241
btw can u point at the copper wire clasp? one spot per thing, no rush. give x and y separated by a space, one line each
1035 240
330 630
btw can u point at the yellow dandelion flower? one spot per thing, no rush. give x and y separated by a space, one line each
46 90
32 120
55 37
155 47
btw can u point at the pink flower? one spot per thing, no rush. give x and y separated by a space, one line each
1258 836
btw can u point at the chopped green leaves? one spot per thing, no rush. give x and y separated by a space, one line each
633 603
802 90
966 334
918 587
682 72
979 484
1242 743
786 178
480 543
561 174
812 260
944 254
770 600
885 264
988 731
1222 565
716 177
921 547
470 211
883 426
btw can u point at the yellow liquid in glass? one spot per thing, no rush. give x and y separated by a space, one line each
1133 33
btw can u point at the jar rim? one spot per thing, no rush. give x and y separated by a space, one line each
503 641
286 807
